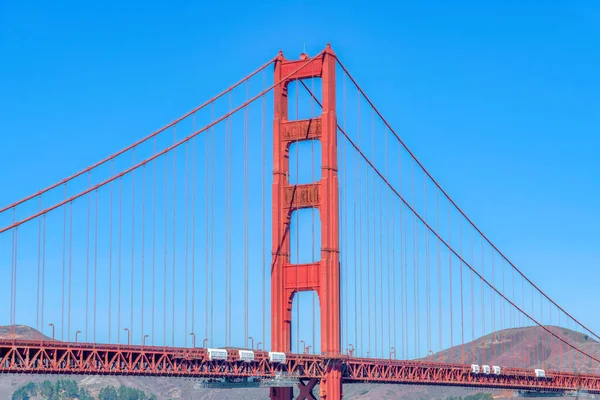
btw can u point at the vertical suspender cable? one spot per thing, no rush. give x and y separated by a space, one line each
208 242
381 262
367 210
439 272
39 264
462 304
404 220
132 251
110 252
212 228
355 244
229 302
12 278
360 241
502 314
194 147
14 303
165 201
187 219
374 235
95 264
227 216
473 355
153 243
427 268
534 335
87 261
62 303
483 297
493 305
119 267
227 223
402 256
388 237
401 260
345 264
246 220
43 274
450 277
206 239
174 237
264 214
513 321
415 244
143 332
70 269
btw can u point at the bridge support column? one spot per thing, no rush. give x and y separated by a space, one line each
331 384
281 393
323 276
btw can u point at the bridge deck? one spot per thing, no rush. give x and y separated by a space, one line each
47 357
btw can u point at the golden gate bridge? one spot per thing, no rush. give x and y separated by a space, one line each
282 233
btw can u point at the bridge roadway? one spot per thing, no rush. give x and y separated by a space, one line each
54 357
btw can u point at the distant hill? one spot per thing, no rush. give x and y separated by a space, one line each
505 348
530 347
21 332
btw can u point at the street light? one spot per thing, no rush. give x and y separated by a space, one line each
303 346
350 349
393 353
52 325
128 335
205 341
193 335
251 338
258 345
77 333
307 349
144 339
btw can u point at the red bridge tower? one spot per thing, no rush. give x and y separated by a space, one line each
322 276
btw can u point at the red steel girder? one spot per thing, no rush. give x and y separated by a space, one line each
100 359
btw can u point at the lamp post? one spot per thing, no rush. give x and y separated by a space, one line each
258 345
193 335
52 325
128 335
350 349
307 349
252 339
205 341
144 339
76 334
303 346
393 353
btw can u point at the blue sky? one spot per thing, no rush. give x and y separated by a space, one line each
500 102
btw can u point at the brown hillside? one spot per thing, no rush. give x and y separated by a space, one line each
21 332
530 347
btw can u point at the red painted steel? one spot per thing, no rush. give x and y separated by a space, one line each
97 359
322 277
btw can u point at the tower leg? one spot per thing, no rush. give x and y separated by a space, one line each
331 384
282 393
